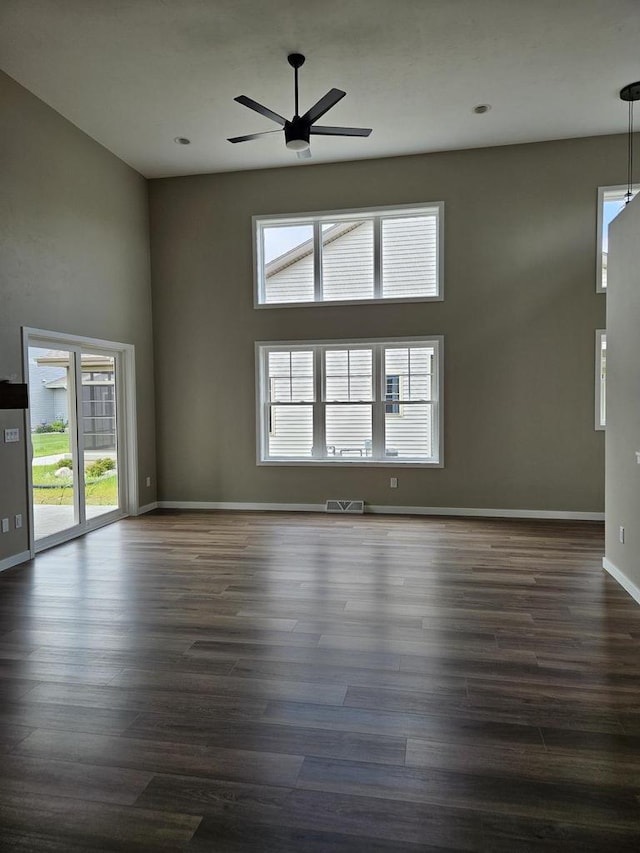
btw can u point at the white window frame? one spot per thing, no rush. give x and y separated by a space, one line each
620 191
316 219
601 384
262 348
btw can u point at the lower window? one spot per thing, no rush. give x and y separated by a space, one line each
375 402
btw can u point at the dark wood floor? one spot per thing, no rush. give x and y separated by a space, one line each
306 684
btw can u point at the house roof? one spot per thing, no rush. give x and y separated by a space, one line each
305 249
60 358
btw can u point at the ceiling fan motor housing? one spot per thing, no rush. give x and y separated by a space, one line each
297 131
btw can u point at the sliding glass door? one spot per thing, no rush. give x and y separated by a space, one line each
74 424
54 463
98 428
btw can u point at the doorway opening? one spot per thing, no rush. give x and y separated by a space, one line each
81 424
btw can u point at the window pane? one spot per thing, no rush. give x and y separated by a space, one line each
288 263
348 431
290 431
290 376
409 435
614 202
348 375
347 260
413 368
409 256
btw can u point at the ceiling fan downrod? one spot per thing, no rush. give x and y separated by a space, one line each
296 60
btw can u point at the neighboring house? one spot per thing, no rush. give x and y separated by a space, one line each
48 382
46 404
347 262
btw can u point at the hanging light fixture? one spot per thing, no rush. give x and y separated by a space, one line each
630 93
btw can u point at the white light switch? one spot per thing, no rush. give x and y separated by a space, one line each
5 525
638 456
11 435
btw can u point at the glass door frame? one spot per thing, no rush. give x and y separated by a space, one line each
126 431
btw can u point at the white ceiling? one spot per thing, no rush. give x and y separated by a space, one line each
134 74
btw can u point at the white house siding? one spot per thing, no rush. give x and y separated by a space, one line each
409 433
409 257
45 404
292 284
61 404
291 431
409 264
41 404
347 265
348 431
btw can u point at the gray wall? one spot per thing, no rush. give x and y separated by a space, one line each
623 393
74 258
518 318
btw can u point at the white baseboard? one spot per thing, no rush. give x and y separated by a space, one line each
147 508
390 510
627 584
14 560
241 507
482 512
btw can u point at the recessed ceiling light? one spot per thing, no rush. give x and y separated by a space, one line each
182 140
482 108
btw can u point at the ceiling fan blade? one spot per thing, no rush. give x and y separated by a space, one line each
304 155
251 136
340 131
265 111
324 104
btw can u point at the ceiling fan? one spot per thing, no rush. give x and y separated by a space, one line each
298 130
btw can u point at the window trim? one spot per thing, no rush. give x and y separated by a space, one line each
316 217
602 191
349 462
600 424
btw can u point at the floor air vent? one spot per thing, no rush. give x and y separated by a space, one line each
345 506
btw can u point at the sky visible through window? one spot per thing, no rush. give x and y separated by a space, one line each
279 241
611 210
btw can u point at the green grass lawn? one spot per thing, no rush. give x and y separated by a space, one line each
50 443
102 492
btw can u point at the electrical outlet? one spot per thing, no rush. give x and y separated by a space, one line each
11 435
393 483
18 521
148 481
5 525
621 535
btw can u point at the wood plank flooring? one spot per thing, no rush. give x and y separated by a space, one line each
291 683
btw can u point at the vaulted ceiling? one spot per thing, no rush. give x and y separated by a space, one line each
136 74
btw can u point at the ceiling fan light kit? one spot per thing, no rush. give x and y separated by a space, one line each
298 130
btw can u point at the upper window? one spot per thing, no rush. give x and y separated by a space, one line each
350 256
611 200
350 402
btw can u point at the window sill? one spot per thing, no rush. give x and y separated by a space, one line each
349 463
341 302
